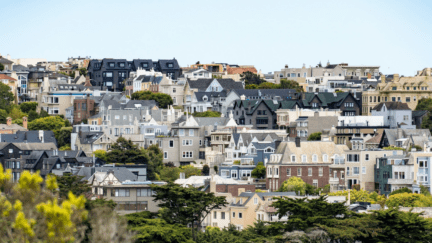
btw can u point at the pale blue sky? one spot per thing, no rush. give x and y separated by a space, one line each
268 34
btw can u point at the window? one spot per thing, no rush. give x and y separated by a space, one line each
171 143
233 214
314 158
191 132
121 192
293 158
309 171
187 142
255 200
320 171
181 132
366 156
363 170
315 183
187 154
240 215
222 215
408 99
348 171
215 215
299 171
234 174
144 192
304 158
288 172
356 170
165 155
111 64
117 117
325 158
11 151
107 74
121 64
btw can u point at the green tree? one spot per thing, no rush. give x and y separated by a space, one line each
190 170
186 206
316 136
1 67
26 107
401 190
101 154
3 116
49 123
259 171
207 114
267 85
251 86
425 104
6 96
251 78
294 184
216 169
290 84
72 183
32 115
65 147
206 170
43 113
83 71
16 113
155 161
126 152
169 174
63 136
162 99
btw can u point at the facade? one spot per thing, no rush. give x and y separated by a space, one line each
309 160
396 114
348 103
401 89
10 128
306 125
285 116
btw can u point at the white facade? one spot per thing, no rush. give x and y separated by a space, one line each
393 118
198 74
361 120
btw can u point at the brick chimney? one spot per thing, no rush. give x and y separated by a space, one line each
9 121
24 122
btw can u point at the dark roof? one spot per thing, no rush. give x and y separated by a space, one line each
20 68
419 113
5 61
227 84
29 137
199 95
121 173
269 93
273 105
144 103
90 137
327 98
392 106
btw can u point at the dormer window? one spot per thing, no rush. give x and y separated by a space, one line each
170 65
205 98
144 65
111 64
121 64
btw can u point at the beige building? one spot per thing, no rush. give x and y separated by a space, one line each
285 116
174 89
403 89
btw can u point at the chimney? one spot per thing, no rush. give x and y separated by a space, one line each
428 71
24 122
9 121
243 97
212 184
41 135
297 142
396 77
399 133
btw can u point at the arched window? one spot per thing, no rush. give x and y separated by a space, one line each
304 158
325 158
314 158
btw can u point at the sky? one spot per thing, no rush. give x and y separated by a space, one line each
394 35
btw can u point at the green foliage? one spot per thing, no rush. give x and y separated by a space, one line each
190 170
32 115
101 154
26 107
284 84
100 203
125 152
6 96
236 162
216 169
424 190
48 123
159 231
170 174
43 113
72 183
65 147
206 170
1 67
294 184
417 147
251 78
3 116
393 148
83 71
425 104
155 161
290 84
16 113
63 136
18 121
409 200
251 86
401 190
259 171
186 206
163 100
356 187
316 136
361 196
207 114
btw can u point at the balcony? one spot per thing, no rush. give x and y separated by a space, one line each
334 180
338 163
401 181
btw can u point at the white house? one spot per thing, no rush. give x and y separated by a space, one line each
395 114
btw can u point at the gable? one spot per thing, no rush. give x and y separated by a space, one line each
214 86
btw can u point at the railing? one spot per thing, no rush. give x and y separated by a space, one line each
400 181
339 161
334 180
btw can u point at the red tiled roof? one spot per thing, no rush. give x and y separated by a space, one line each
4 76
375 139
241 70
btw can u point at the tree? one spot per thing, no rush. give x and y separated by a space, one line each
101 154
294 184
63 136
361 196
83 71
251 86
72 183
28 106
401 190
65 147
267 85
206 170
126 152
316 136
43 113
259 171
290 84
216 169
1 67
155 161
251 78
48 123
170 174
425 104
32 115
186 206
409 200
16 113
6 96
207 114
190 170
162 99
3 116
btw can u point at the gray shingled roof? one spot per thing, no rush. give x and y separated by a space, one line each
392 106
199 95
121 173
210 121
227 84
29 136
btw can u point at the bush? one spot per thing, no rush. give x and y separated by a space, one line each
294 184
316 136
401 190
207 114
259 171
